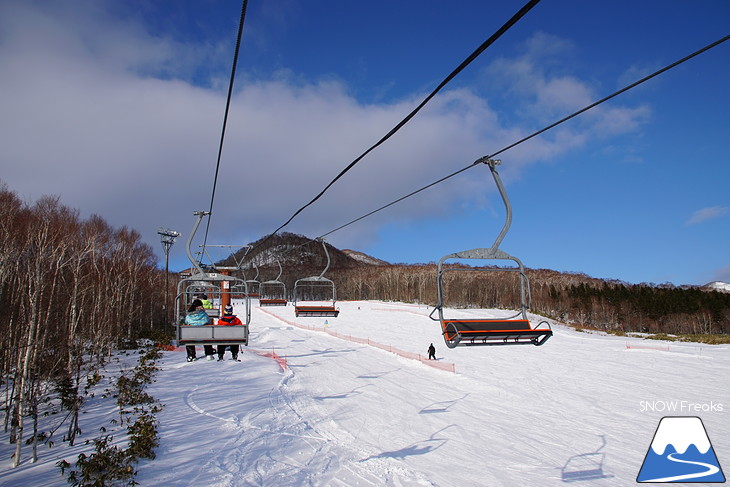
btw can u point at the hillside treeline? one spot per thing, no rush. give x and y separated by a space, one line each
570 298
70 290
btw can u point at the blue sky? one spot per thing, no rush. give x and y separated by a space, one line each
117 107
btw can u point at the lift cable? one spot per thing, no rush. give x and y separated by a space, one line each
511 146
398 200
453 74
225 116
637 83
482 159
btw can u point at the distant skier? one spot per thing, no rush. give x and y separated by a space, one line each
432 352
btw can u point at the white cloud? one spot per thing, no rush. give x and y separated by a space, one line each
722 274
84 118
542 93
709 213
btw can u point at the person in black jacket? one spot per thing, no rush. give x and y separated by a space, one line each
432 352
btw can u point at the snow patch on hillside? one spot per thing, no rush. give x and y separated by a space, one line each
718 286
360 257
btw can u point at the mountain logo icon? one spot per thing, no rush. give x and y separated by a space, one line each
681 452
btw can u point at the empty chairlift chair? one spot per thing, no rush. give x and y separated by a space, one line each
513 330
253 285
273 293
316 295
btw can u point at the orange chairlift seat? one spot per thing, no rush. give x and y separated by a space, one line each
513 330
312 295
273 292
218 287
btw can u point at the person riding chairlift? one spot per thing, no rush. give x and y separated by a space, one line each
196 316
229 319
207 304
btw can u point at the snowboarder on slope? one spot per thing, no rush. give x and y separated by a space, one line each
431 352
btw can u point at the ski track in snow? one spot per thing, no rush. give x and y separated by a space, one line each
279 446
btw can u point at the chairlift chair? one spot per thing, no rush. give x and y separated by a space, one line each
312 289
273 292
217 286
254 286
513 330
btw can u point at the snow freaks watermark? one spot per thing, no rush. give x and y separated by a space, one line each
681 451
680 407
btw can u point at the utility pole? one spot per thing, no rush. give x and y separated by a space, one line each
168 239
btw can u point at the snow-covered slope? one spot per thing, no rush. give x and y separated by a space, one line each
680 433
365 258
581 408
718 286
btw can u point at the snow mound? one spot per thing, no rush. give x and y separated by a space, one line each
718 286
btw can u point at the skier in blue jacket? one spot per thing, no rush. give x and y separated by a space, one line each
196 316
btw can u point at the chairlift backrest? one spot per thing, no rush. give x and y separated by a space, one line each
515 329
316 283
214 284
274 288
491 253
